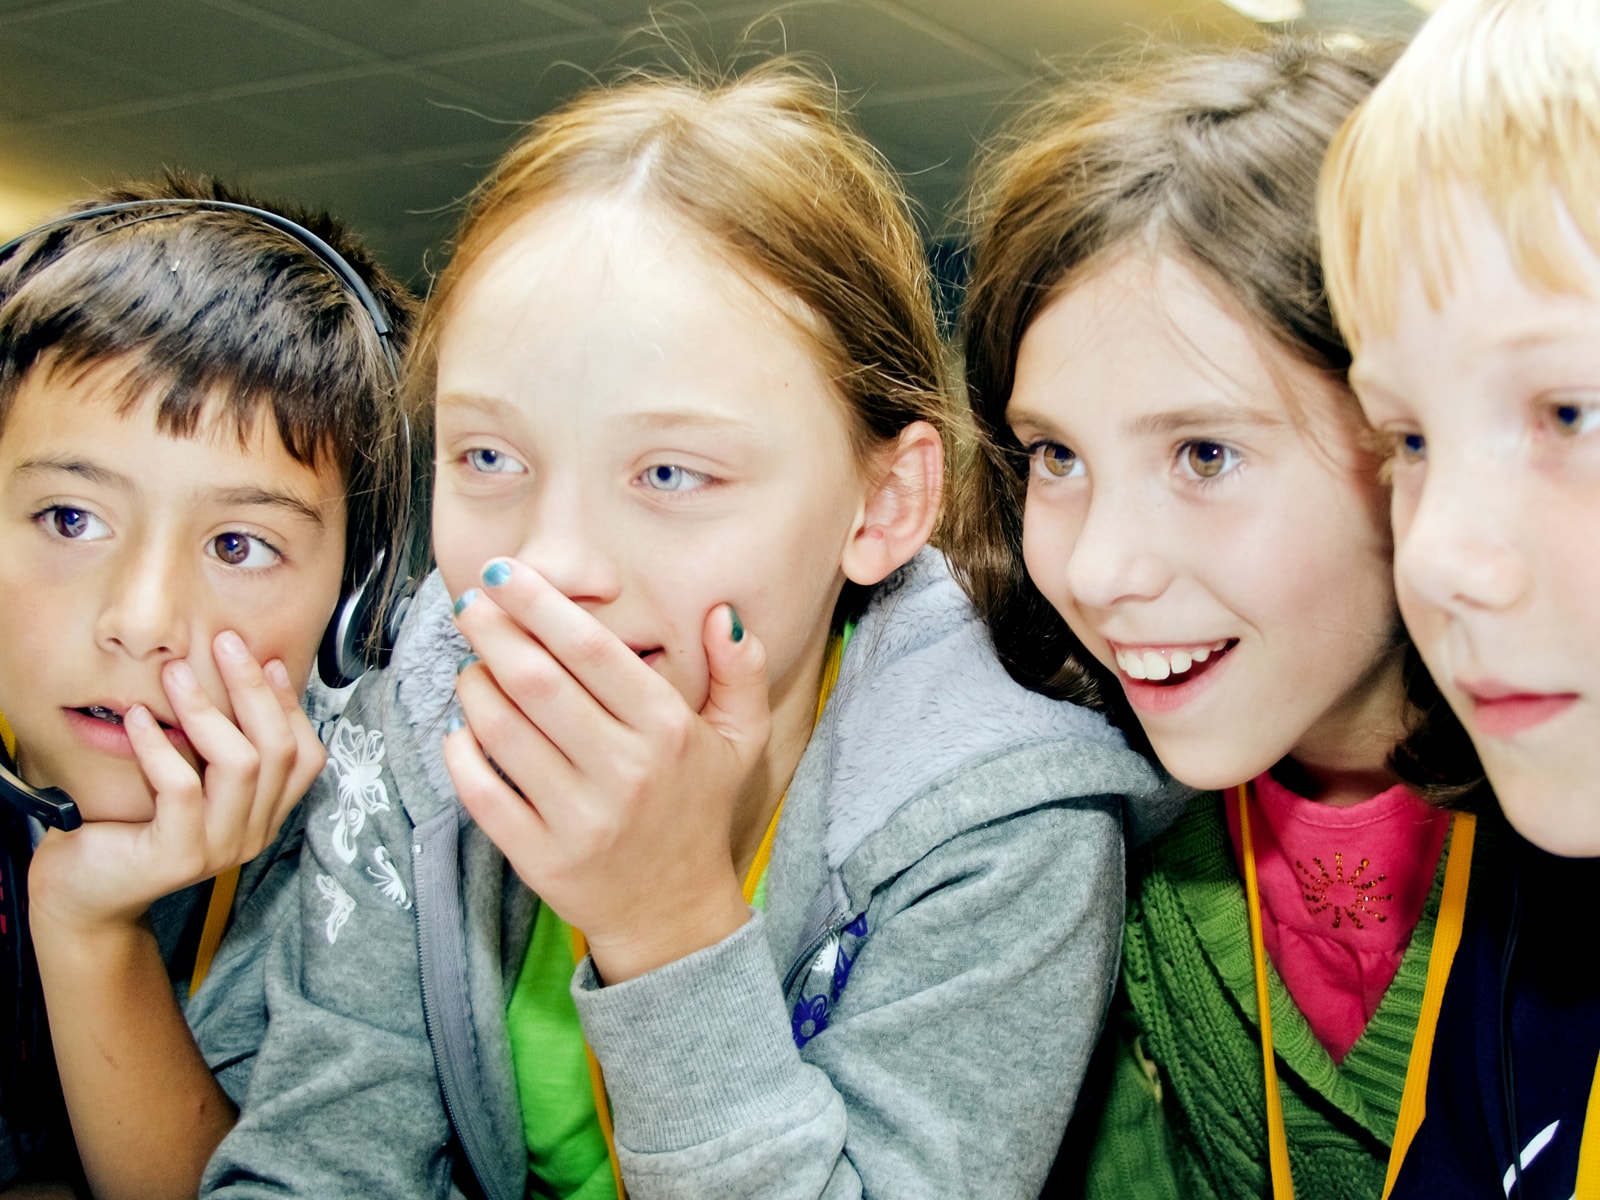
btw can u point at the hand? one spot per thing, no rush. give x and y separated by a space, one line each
613 799
254 770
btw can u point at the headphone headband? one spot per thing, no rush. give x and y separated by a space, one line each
330 257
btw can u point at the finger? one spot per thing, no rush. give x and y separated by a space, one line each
180 799
510 821
541 687
260 715
739 704
611 670
231 762
521 750
310 754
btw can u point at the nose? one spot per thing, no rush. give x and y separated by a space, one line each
145 608
1456 542
568 542
1117 554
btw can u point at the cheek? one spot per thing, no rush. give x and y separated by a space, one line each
464 539
1048 539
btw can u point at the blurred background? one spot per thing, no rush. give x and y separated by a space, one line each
388 111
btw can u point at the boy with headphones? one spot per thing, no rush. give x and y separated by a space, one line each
1461 226
202 458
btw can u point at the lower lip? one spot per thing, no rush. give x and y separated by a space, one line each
106 738
1146 697
1508 715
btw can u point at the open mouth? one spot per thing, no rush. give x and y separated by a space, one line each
1169 666
111 716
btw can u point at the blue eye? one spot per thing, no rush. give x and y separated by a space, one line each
242 550
492 462
1207 460
665 477
1052 460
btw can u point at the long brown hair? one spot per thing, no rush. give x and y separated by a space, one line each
1212 159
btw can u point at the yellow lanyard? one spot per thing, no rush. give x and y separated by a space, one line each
752 880
217 910
1446 937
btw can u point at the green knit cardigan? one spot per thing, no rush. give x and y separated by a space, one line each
1186 1111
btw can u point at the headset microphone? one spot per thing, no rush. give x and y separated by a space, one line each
51 806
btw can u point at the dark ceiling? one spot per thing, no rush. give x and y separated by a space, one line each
388 111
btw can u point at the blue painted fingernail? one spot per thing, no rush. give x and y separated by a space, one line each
735 626
466 661
453 724
467 597
496 573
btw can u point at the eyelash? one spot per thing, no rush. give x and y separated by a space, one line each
46 519
43 515
700 478
1231 460
277 554
471 457
1035 452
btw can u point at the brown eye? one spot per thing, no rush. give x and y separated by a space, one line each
241 550
232 548
1054 459
1207 460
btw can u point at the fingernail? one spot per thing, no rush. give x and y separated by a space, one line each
139 715
453 724
496 573
466 661
735 626
467 597
231 645
278 673
181 674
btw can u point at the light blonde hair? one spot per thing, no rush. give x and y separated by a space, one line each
1497 98
766 167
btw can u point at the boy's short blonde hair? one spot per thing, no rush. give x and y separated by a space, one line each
1497 98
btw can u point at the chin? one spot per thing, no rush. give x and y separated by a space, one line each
1204 771
1563 822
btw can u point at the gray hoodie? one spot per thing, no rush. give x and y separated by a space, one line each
910 1017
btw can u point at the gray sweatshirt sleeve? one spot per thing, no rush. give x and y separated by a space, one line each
344 1100
950 1064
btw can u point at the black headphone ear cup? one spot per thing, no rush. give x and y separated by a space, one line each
348 646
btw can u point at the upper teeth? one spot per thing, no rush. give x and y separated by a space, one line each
1162 664
105 714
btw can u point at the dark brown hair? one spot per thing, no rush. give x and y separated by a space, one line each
220 315
1212 159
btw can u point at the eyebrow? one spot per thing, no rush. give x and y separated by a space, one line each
684 419
246 496
1204 417
82 468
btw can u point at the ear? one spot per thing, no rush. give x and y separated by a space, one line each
900 507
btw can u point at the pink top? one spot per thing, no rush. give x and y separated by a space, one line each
1341 891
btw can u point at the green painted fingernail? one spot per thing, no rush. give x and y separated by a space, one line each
453 724
466 661
496 573
735 626
467 597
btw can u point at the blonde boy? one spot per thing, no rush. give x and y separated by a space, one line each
1460 216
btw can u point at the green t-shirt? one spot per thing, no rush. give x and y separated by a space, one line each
567 1153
